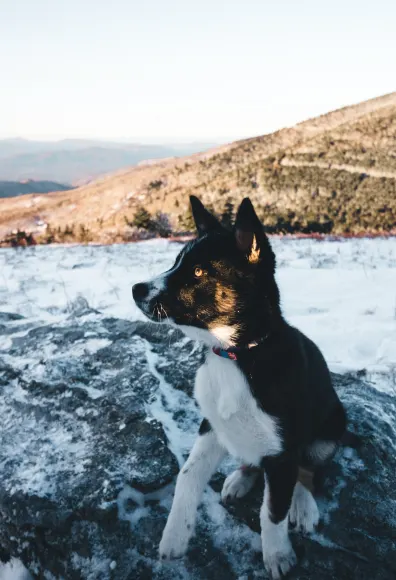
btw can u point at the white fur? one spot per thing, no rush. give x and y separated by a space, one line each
158 284
245 430
204 458
278 553
238 484
304 511
321 450
218 336
225 334
239 426
198 334
154 288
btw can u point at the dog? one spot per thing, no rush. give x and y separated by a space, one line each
264 389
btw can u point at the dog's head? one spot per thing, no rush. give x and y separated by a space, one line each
221 288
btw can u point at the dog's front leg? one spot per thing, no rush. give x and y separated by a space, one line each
204 458
280 479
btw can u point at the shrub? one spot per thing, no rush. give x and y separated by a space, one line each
142 219
19 239
227 217
161 225
84 234
186 220
156 184
135 234
69 230
49 236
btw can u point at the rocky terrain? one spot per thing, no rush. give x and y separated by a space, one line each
332 174
96 416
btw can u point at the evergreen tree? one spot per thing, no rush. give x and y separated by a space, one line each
142 219
227 217
186 221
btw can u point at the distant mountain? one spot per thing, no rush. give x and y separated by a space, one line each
332 174
16 188
73 160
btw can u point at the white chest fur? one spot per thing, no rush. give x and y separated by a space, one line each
225 399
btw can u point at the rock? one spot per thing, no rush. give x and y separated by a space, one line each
11 323
10 316
80 307
95 417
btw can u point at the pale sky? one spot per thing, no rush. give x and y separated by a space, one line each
160 70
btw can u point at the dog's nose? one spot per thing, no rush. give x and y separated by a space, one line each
140 291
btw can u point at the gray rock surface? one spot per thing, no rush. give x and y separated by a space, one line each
95 417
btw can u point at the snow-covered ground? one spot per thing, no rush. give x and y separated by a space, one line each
341 294
14 570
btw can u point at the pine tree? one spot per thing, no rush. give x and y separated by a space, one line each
227 217
186 221
142 219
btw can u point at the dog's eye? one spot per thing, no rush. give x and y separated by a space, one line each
198 272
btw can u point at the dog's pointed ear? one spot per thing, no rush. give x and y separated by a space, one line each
250 236
205 222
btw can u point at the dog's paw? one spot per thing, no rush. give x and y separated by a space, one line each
174 542
304 512
238 484
279 562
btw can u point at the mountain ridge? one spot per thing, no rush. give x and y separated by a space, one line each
17 188
73 160
330 174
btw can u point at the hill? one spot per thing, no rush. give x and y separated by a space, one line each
15 188
332 174
73 160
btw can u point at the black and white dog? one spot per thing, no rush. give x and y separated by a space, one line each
264 389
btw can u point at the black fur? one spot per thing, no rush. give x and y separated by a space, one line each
289 378
281 477
287 373
204 427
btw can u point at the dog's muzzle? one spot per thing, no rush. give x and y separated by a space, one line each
148 303
140 292
141 296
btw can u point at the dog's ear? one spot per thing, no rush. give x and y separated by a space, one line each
250 236
205 222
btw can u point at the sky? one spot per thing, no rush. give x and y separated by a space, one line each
181 70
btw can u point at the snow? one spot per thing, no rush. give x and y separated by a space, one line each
14 570
61 450
342 294
166 403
